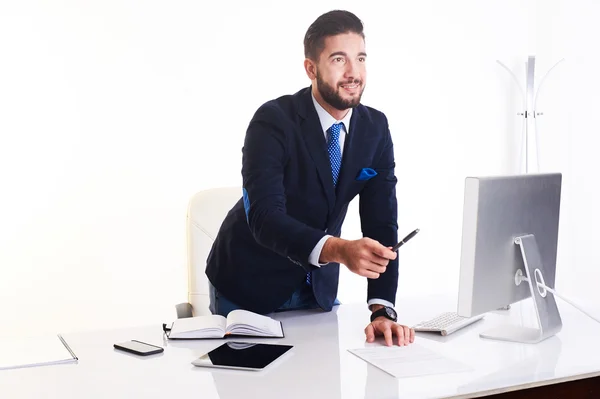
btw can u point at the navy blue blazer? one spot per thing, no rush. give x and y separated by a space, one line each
260 255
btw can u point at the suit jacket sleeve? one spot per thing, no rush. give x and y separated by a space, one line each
378 208
265 153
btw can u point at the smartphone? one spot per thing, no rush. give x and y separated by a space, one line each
138 348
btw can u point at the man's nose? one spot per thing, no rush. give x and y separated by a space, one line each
351 70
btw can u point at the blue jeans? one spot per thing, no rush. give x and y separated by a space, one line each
301 299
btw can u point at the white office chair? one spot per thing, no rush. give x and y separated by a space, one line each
206 211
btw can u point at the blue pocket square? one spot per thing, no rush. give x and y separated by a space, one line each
366 174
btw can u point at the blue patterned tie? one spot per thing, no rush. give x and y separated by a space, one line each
335 153
335 157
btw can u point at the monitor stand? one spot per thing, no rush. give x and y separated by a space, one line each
548 317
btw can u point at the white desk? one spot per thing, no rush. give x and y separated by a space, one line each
319 366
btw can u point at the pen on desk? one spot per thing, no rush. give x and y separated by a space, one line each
405 240
67 346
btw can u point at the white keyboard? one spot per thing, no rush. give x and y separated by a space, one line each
446 323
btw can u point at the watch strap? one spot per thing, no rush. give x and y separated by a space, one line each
382 312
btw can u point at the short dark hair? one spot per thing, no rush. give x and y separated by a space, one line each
329 24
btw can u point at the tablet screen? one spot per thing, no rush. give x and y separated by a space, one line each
244 355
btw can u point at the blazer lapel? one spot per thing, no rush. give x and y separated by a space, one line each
313 135
353 159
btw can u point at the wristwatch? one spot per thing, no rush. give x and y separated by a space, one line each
385 311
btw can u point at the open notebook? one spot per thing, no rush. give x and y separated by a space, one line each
238 323
35 351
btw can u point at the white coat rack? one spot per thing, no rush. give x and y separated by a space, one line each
529 156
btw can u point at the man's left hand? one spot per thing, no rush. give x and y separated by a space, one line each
389 329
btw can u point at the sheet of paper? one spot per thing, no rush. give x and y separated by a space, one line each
33 351
409 361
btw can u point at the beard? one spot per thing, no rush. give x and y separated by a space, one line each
332 95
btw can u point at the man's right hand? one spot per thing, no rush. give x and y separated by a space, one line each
365 257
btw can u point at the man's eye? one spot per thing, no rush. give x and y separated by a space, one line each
339 59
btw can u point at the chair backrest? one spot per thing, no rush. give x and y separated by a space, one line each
206 211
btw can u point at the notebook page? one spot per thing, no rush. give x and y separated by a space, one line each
245 322
211 325
409 361
33 351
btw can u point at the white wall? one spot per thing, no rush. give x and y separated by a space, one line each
113 113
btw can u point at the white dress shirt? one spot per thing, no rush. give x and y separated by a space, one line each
326 121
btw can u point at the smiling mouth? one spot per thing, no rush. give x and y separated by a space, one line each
350 86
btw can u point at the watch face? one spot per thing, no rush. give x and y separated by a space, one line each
391 313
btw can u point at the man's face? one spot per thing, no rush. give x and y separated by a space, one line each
341 70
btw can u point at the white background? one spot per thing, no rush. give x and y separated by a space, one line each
114 113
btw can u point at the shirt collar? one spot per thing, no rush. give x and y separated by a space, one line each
327 120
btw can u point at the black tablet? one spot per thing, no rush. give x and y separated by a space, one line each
242 355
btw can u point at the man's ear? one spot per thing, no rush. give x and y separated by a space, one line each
311 68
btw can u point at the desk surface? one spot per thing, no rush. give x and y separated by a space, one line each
319 365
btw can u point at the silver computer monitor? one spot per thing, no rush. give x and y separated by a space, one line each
509 247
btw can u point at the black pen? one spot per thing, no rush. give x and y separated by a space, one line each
405 240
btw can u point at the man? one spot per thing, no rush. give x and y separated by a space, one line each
305 157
